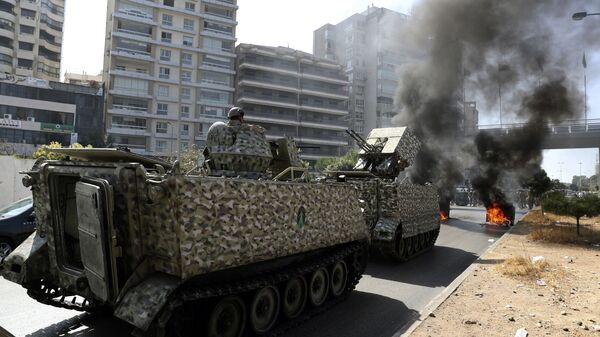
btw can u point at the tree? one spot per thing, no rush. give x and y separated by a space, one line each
344 163
44 150
538 184
577 207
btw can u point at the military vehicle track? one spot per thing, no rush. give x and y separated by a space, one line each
191 304
407 248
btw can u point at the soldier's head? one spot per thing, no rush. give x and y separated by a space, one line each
236 113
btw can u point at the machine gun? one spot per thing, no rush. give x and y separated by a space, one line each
386 152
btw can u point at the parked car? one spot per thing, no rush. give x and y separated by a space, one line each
17 222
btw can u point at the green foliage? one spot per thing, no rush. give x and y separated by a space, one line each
188 159
344 163
577 207
44 150
538 184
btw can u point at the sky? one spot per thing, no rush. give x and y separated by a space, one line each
291 23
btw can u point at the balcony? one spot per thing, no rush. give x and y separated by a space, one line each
327 125
322 140
217 33
265 101
327 110
324 94
224 3
268 84
132 74
134 35
128 92
216 67
132 130
132 53
127 110
320 77
135 15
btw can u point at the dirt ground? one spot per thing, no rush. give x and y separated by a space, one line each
558 295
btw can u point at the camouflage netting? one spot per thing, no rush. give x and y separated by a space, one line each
401 141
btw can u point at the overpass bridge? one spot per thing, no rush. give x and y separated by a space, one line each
570 134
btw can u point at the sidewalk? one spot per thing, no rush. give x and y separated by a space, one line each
559 295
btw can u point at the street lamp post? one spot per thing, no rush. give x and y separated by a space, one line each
581 15
580 163
560 164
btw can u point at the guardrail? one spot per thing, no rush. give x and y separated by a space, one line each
568 126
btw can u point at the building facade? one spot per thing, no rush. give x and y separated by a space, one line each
83 79
31 34
35 112
369 47
292 93
168 71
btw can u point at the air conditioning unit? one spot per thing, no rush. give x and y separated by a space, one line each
7 116
31 119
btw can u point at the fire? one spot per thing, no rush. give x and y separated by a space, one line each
496 215
443 215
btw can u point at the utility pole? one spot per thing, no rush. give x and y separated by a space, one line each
560 164
580 176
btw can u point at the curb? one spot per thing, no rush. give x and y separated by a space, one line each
408 328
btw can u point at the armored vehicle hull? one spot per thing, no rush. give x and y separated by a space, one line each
174 254
404 218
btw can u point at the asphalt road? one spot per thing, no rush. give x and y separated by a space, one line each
388 297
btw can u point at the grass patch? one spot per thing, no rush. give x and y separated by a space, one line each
564 234
522 266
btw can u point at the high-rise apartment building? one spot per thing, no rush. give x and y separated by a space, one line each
369 46
31 37
292 93
168 71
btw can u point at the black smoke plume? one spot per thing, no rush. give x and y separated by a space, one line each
526 51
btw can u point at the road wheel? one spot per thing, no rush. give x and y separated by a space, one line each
264 309
318 287
339 277
427 239
294 297
400 247
422 242
5 248
415 244
228 318
408 251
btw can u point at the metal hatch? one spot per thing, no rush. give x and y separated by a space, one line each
96 235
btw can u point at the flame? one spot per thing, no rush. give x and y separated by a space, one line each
443 215
496 215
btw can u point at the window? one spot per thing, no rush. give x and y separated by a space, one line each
170 3
167 20
218 28
26 13
163 91
188 41
190 6
25 46
186 93
162 127
165 55
24 63
131 84
186 59
161 146
27 30
185 129
166 37
120 67
164 73
186 76
184 146
185 111
162 109
188 24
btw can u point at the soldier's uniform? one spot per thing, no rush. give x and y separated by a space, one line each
237 146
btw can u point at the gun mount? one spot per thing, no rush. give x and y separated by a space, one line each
386 152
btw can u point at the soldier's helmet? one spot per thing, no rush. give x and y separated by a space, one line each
235 112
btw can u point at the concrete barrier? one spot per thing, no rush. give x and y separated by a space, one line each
11 188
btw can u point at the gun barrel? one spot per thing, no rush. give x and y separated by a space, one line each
362 143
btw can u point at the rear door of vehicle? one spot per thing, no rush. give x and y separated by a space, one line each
97 238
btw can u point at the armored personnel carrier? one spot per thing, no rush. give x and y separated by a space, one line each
404 218
250 247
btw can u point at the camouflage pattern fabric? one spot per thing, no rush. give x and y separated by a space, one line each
220 223
238 147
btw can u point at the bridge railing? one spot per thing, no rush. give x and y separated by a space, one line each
568 126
